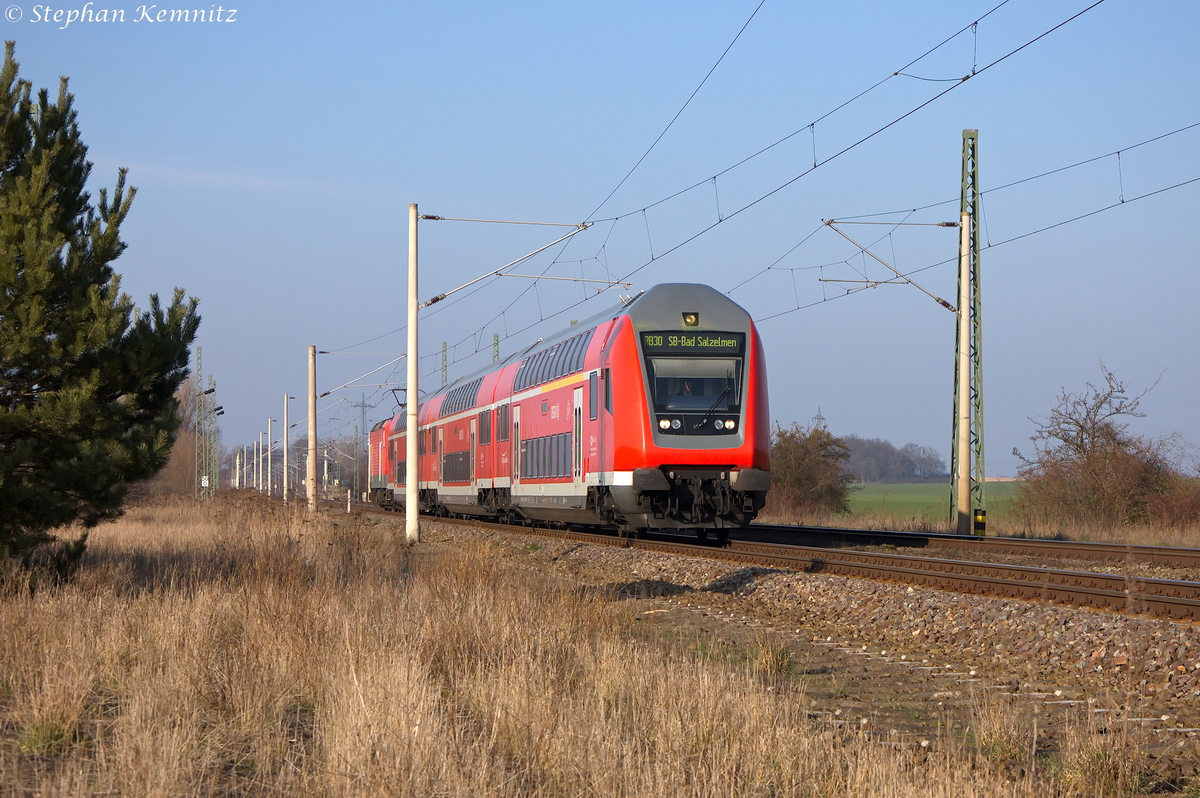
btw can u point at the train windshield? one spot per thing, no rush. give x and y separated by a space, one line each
696 384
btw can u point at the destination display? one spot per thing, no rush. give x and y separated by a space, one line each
673 342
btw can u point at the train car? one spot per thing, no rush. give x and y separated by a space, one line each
652 415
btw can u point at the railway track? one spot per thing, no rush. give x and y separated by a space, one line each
1155 555
1163 597
1171 598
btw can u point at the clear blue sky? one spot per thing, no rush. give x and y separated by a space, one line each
276 156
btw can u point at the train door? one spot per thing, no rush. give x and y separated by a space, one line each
577 439
473 430
516 443
438 466
602 464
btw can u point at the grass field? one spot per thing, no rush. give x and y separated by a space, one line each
237 649
928 501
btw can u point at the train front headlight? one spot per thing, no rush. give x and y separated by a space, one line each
664 423
676 423
730 424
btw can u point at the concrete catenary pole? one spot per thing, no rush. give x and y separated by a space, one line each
285 448
962 454
312 430
412 525
967 466
270 462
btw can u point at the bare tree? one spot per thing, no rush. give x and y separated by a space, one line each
1088 467
927 462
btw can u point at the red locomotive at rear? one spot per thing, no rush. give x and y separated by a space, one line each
652 415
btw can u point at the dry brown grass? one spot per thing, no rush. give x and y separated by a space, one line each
239 649
1147 534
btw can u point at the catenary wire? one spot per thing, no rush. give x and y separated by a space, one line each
1118 204
679 112
543 317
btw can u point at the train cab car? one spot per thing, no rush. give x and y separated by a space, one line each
695 454
651 415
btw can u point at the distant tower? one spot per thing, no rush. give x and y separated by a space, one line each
818 421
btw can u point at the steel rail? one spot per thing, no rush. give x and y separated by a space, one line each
1155 555
1165 597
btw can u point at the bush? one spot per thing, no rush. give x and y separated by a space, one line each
806 469
1087 467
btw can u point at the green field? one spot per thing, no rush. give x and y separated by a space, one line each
928 500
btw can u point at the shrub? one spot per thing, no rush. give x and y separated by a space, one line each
806 469
1087 467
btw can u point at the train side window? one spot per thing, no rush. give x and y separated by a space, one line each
534 368
569 366
535 371
568 354
593 395
608 390
559 362
581 350
534 365
583 347
584 340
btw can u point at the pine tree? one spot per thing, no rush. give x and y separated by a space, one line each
87 385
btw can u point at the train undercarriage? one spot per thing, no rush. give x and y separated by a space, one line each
702 500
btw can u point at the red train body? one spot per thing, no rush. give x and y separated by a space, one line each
652 415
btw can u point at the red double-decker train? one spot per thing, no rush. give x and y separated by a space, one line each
652 415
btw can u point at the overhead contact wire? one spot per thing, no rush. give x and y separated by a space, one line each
866 138
679 112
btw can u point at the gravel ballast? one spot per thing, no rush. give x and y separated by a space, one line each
1148 661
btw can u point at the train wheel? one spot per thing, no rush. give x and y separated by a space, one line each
701 535
722 536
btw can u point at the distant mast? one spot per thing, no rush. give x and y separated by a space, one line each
818 421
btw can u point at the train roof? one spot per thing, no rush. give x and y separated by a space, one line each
658 307
607 314
661 308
